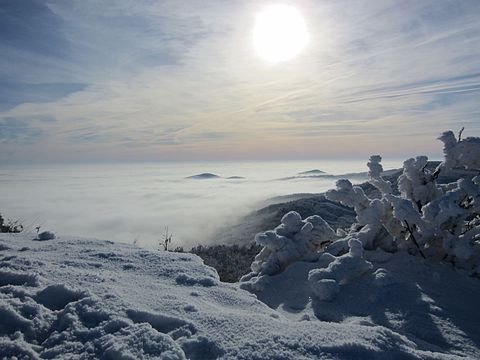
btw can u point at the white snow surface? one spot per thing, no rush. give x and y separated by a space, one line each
71 298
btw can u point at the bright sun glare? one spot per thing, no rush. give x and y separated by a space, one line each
280 33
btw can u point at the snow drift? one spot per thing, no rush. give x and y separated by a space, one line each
90 299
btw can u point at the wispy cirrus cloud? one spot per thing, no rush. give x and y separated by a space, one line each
180 80
18 131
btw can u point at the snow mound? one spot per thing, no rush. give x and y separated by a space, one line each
325 282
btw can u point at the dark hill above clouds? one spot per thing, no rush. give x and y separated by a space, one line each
312 172
203 176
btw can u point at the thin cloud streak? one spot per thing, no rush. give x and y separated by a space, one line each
176 80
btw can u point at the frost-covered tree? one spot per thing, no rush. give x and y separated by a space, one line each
460 153
417 183
372 214
426 218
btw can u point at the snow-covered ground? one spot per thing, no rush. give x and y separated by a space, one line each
72 298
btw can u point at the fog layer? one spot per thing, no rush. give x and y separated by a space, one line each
128 202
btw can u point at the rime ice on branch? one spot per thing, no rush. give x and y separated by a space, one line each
426 218
460 153
371 213
417 183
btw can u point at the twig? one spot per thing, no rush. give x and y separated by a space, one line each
460 134
167 239
325 242
413 239
437 171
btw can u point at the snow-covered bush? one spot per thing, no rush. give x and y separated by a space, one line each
439 221
460 153
230 261
294 239
326 282
9 226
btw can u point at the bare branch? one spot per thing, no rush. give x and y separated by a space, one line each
413 239
460 134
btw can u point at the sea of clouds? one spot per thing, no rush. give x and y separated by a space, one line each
128 202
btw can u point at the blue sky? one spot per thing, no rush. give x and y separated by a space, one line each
134 80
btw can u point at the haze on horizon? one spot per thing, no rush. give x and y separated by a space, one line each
86 80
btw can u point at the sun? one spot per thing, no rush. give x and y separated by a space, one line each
280 33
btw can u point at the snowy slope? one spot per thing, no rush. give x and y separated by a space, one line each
72 298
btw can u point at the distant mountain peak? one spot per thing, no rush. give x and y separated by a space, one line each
204 176
312 172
